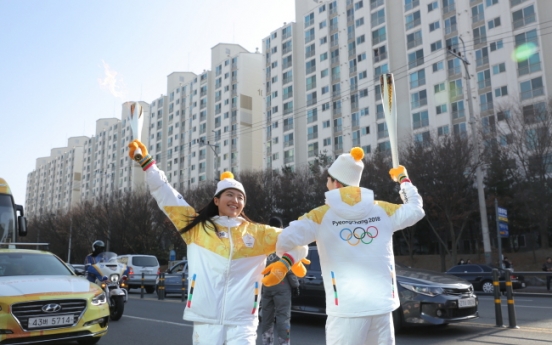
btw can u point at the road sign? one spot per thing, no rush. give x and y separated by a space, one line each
503 229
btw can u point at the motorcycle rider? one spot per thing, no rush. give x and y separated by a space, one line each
92 273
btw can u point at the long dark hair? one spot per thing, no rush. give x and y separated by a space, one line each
205 215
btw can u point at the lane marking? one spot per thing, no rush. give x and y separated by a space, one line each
159 321
522 328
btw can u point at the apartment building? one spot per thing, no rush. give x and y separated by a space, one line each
54 185
208 123
321 80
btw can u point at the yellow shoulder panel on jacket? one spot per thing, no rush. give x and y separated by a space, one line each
388 207
316 215
350 195
180 216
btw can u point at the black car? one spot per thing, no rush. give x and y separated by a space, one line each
481 277
173 278
426 297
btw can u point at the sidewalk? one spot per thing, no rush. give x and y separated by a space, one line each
533 291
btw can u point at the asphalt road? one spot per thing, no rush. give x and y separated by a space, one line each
149 321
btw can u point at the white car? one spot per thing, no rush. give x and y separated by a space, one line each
139 264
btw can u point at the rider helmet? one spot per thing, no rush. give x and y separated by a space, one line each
98 246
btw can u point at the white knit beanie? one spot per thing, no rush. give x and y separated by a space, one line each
347 168
227 181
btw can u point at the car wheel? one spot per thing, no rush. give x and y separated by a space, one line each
398 319
487 286
150 289
88 341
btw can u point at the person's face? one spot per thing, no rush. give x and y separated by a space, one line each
230 203
549 260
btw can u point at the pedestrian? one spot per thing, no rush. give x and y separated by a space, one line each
547 267
468 262
354 236
277 303
226 254
461 262
507 264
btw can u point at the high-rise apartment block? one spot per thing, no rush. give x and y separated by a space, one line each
322 89
315 88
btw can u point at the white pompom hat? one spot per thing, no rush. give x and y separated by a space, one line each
227 181
347 168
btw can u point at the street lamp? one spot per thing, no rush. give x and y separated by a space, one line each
478 172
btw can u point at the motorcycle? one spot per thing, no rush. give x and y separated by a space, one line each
113 281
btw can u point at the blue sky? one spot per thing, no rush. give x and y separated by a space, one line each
65 63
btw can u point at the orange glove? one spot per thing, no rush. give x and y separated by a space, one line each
399 174
275 273
135 144
299 268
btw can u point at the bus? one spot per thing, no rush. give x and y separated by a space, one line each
13 223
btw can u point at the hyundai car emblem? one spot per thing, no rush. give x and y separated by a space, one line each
51 308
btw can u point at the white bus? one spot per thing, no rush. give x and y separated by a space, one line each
13 223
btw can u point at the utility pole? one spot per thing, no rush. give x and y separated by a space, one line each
478 172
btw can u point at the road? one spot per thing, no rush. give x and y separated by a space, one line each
149 321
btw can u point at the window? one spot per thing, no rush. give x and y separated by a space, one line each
378 17
364 111
496 45
491 2
309 35
457 109
288 124
410 4
326 124
324 40
524 16
439 87
309 20
380 70
323 24
359 22
526 37
455 87
338 124
459 128
358 5
312 115
309 51
287 92
379 35
486 101
450 25
494 23
361 57
478 13
363 93
311 98
420 119
311 82
422 138
418 99
287 77
380 54
414 39
362 75
500 68
412 20
382 130
532 88
501 91
443 130
286 62
365 130
482 56
453 66
325 106
417 79
327 142
313 149
360 39
484 79
437 66
479 35
325 89
416 58
440 109
432 6
434 26
338 143
288 140
324 73
310 66
323 56
532 64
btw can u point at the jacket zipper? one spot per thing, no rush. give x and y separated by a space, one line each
226 277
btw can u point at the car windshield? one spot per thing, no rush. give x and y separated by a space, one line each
29 264
106 257
144 261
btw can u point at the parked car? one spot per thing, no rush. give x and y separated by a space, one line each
173 278
42 299
426 297
141 264
78 269
481 277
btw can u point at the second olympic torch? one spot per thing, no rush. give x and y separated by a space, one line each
389 99
136 122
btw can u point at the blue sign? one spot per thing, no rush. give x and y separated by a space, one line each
502 214
503 229
172 255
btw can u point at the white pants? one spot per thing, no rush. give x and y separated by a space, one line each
368 330
209 334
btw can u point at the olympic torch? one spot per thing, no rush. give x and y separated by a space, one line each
136 122
389 99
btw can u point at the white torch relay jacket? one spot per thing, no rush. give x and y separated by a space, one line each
353 233
224 270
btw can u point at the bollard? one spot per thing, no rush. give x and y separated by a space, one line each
161 287
142 287
510 297
498 307
183 297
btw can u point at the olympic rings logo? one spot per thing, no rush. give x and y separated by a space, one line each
358 235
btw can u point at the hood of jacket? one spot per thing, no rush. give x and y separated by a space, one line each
350 202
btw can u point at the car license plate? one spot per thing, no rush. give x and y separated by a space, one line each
51 321
466 302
